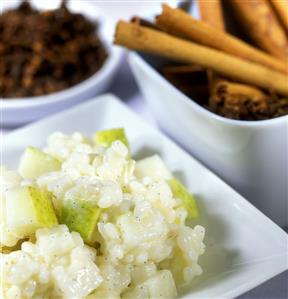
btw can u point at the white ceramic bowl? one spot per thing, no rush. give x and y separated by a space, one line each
22 110
250 156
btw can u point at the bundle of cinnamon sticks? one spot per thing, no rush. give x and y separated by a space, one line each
244 81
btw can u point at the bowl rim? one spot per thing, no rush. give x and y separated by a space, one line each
136 58
112 61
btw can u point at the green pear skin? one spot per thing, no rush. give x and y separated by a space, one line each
81 216
107 137
189 202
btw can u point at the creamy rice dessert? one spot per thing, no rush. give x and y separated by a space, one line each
82 219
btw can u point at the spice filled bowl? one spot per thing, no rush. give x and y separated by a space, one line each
240 128
54 55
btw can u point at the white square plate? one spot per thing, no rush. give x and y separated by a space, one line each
244 247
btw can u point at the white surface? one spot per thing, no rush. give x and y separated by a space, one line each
23 110
250 156
244 247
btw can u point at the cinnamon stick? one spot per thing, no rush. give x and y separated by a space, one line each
135 37
178 22
263 26
211 13
235 89
223 92
281 10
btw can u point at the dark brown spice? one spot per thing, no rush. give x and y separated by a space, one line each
193 82
244 108
42 52
256 105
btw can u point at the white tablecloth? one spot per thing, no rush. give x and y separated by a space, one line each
276 288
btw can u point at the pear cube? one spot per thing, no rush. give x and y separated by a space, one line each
81 216
153 167
35 162
161 285
27 209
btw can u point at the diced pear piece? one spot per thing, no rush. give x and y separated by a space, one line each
81 216
161 285
153 167
107 137
189 202
35 162
27 209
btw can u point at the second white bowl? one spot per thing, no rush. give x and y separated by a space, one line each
250 155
